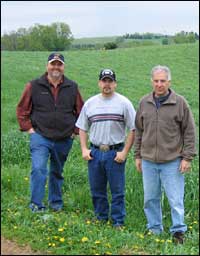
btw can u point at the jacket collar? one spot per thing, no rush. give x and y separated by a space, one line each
171 100
44 81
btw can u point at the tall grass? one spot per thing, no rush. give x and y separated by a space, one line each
70 232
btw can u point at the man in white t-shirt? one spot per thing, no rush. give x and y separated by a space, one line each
106 117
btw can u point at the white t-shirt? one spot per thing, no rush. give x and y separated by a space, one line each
107 118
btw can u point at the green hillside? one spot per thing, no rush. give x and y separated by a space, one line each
70 232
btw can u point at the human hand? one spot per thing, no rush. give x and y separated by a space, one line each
120 157
86 154
138 163
31 130
184 166
73 136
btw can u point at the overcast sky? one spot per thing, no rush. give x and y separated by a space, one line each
103 18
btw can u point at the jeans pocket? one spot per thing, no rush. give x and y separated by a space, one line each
91 152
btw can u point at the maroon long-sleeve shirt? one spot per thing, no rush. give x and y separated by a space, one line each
24 106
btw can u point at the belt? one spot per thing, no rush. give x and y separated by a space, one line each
104 147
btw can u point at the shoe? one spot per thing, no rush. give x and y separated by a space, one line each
178 237
56 209
35 208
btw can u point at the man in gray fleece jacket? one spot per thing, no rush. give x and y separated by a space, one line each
164 147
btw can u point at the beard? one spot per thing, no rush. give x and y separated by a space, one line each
55 74
107 90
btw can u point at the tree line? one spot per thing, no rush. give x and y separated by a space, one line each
183 35
54 37
58 37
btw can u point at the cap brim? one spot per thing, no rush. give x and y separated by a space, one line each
50 61
107 76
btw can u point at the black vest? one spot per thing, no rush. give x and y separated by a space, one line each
54 120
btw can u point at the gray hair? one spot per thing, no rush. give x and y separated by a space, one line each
161 69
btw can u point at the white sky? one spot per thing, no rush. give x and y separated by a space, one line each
103 18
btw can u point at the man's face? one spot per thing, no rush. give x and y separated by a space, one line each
160 83
55 69
107 86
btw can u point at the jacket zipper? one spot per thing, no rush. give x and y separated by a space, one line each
156 153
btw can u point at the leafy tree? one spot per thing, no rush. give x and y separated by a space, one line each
184 37
110 46
165 41
54 37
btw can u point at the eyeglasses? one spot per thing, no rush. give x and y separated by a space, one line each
161 80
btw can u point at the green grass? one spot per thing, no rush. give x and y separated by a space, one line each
94 40
103 40
69 233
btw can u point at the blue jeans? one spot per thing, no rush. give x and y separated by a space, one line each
102 170
41 148
167 176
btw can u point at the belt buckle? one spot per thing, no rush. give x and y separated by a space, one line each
104 147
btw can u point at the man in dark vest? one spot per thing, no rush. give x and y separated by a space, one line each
48 110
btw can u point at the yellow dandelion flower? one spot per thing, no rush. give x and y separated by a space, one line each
141 236
61 229
53 244
26 178
195 222
157 240
15 227
88 222
169 241
49 244
162 240
62 239
97 242
55 237
190 227
84 239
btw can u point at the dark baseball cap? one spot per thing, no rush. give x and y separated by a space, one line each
109 73
56 56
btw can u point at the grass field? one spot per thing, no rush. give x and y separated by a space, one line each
70 232
98 42
94 40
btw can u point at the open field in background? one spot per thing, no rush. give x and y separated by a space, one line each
69 232
103 40
97 43
94 40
